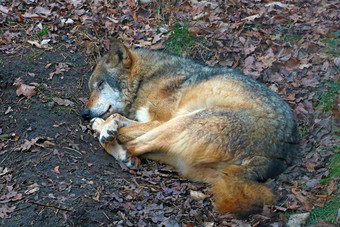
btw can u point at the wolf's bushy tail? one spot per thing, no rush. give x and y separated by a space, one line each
234 193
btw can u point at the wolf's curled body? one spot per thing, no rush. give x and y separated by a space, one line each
213 125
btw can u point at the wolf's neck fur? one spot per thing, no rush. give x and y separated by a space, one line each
146 65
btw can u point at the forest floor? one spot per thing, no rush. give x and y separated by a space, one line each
54 172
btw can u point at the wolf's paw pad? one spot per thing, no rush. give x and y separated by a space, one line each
108 136
125 157
109 132
132 162
97 124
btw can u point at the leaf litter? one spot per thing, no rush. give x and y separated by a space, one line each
292 48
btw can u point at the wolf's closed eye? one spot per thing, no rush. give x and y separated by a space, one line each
100 84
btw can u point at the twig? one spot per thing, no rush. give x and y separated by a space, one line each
71 149
49 206
4 159
46 154
134 180
106 216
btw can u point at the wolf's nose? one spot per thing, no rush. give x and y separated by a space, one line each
86 114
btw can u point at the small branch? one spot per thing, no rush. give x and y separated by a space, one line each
71 149
50 206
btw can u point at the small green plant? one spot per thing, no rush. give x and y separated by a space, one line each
334 164
73 58
287 33
63 110
2 63
11 22
44 31
333 45
180 40
328 98
33 55
328 212
302 130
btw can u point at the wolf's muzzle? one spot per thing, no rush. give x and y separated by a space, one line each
86 114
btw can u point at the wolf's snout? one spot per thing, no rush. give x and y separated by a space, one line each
86 114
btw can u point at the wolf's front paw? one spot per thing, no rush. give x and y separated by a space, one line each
109 131
97 124
108 135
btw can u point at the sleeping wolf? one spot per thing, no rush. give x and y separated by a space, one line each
213 125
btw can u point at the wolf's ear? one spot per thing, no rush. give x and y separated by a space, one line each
118 55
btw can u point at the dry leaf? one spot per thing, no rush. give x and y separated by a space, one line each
27 144
310 166
59 69
63 102
23 89
56 170
4 171
309 82
32 189
3 9
332 187
196 195
306 204
96 196
5 211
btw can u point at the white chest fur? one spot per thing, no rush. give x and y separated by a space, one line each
142 114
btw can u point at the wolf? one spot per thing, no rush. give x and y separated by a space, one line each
213 125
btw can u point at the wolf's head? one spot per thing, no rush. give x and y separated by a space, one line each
107 81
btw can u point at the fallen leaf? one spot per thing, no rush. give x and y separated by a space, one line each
56 170
27 144
332 187
6 210
63 102
337 61
36 43
310 166
196 195
4 10
4 171
59 69
31 74
306 204
292 64
32 189
23 89
96 196
309 82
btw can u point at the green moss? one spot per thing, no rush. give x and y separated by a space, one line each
334 164
333 44
302 130
288 34
328 98
180 40
44 31
328 212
